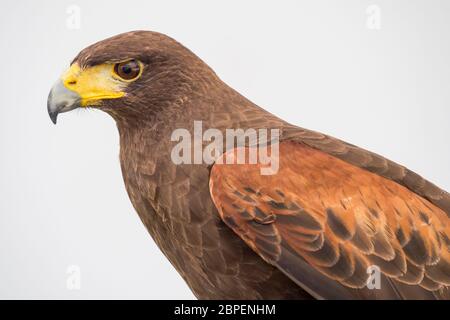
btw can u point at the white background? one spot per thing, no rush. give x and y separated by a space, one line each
313 63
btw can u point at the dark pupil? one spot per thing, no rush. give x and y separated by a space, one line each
126 69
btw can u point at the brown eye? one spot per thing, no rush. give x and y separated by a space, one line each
128 70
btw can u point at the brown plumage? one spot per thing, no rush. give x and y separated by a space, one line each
334 220
310 231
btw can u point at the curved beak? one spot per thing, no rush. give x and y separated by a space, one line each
60 99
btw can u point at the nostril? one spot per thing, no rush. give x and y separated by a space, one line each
72 82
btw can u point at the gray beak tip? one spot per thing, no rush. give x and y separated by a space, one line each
53 116
60 100
51 110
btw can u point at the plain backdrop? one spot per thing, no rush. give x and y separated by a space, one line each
318 64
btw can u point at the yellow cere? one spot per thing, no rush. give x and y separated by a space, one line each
93 84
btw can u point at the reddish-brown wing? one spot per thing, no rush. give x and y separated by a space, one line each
327 223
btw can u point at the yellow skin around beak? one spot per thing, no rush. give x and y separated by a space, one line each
82 87
93 84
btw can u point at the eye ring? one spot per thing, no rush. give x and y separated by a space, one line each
128 70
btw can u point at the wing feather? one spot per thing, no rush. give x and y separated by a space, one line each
321 218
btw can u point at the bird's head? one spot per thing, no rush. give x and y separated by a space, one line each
132 75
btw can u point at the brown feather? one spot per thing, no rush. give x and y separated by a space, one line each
374 221
311 253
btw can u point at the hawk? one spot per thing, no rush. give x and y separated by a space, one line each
329 219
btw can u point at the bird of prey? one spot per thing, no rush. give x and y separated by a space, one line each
313 230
